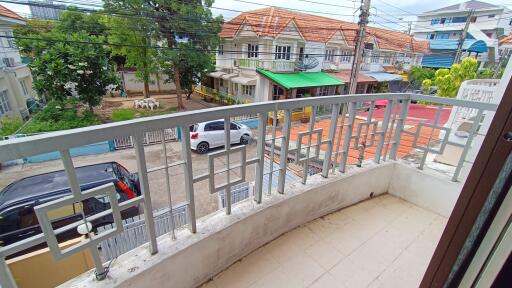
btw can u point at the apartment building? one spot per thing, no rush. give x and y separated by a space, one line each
487 23
15 77
271 40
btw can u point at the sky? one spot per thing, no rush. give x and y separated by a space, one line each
391 14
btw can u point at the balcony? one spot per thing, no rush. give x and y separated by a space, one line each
271 65
354 197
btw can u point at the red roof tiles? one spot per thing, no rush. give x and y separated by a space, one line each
5 12
272 21
506 40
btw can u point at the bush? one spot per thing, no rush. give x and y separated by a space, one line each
123 114
9 125
60 115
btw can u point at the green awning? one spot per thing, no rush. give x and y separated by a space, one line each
301 79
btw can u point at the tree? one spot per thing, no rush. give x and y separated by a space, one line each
418 74
72 20
68 66
192 67
140 34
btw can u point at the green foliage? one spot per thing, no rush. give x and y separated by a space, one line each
449 81
139 33
60 115
123 114
418 74
70 65
425 86
9 125
192 19
72 21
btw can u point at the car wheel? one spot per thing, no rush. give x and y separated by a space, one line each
202 148
245 139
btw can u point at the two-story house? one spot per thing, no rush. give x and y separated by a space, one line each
487 22
263 43
15 77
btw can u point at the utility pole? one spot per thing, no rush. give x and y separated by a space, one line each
356 65
462 38
409 28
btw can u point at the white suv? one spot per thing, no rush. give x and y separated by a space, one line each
206 135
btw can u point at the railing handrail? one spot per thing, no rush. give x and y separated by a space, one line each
62 140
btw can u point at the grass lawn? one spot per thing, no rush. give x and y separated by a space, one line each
123 114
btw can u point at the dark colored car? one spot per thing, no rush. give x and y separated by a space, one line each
18 220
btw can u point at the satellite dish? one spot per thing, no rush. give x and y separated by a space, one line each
306 63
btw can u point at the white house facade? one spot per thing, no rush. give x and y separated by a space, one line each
488 22
283 41
15 77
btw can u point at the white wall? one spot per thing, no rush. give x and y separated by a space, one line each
221 240
132 84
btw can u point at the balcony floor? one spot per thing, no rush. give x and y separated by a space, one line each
382 242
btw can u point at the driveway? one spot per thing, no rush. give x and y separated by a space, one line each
205 202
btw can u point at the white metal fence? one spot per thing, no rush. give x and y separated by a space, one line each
150 138
134 233
335 143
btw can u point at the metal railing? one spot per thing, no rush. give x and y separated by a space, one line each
349 136
268 64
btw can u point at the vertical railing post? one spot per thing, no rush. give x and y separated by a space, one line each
285 142
330 144
186 156
348 136
338 139
6 279
436 122
272 152
260 154
474 129
74 185
312 117
144 186
404 109
227 147
384 130
168 185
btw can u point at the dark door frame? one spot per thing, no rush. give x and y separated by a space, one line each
488 164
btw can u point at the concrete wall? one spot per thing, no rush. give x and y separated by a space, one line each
132 84
425 189
90 149
222 240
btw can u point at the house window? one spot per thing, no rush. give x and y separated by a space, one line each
489 34
459 19
283 52
277 92
375 58
491 15
10 41
329 55
323 91
301 53
431 36
24 87
4 103
442 35
387 59
434 21
248 90
346 57
221 49
252 50
442 20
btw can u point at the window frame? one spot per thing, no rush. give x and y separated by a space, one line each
252 50
5 105
282 52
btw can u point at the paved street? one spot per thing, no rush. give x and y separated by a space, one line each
205 202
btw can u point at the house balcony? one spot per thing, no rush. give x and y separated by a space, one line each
355 195
271 65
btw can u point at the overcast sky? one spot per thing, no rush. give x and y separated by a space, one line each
384 14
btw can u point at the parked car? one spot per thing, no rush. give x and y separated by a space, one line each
18 220
207 135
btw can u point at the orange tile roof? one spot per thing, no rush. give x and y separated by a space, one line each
506 40
5 12
344 75
272 21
